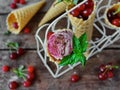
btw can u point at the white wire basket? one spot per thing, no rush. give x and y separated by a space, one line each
97 45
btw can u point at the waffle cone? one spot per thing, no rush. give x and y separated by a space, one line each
81 26
22 16
53 12
114 6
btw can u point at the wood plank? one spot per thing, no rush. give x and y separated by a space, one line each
44 80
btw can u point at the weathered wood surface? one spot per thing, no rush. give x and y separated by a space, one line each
44 81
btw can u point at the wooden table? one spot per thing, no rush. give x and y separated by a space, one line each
44 80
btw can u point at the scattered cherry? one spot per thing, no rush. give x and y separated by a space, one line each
5 68
15 25
16 1
102 67
13 5
30 69
13 55
26 30
102 76
22 1
75 78
27 83
13 85
31 76
110 74
20 51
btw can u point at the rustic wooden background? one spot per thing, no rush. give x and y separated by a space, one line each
44 81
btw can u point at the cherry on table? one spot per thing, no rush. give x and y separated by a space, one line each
31 76
5 68
102 67
20 51
75 78
27 83
13 5
110 74
102 76
26 30
30 69
13 55
16 1
13 85
22 1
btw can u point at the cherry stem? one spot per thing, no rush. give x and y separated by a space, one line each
117 11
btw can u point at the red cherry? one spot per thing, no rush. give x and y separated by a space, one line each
20 51
110 74
30 69
13 85
102 68
13 5
89 4
16 1
31 76
22 1
13 55
49 34
81 7
5 68
87 12
75 78
109 66
27 83
75 13
116 22
102 76
26 30
15 25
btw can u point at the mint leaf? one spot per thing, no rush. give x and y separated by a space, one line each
13 45
117 11
83 42
65 60
82 59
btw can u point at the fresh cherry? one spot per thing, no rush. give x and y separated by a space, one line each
16 1
13 5
102 67
31 76
30 69
22 1
27 83
13 85
81 7
26 30
110 74
5 68
116 22
20 51
87 12
75 78
89 4
13 55
15 25
75 13
102 76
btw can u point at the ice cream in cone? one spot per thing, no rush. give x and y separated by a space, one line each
82 19
112 16
18 18
54 11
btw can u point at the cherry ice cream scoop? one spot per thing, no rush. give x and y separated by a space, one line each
60 44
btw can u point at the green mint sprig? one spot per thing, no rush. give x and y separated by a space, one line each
69 2
79 47
12 45
20 72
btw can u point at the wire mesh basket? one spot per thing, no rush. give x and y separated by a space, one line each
96 45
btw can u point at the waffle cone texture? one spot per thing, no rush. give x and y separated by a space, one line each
54 11
114 6
22 16
81 26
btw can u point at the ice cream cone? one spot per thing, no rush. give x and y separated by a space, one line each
113 7
54 11
22 16
81 26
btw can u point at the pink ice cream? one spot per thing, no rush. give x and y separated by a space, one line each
60 44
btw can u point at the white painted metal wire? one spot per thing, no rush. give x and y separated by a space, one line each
96 45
